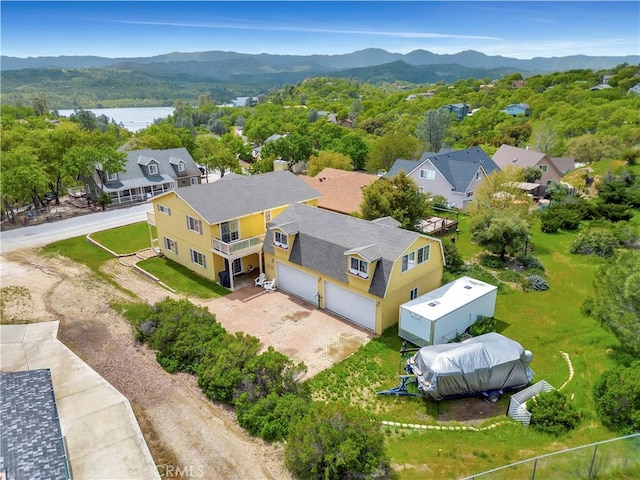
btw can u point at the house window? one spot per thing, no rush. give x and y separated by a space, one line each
281 240
170 245
470 194
198 258
153 169
358 267
421 189
165 210
413 294
543 168
194 225
194 181
408 261
428 174
229 231
423 254
112 177
267 216
181 167
478 175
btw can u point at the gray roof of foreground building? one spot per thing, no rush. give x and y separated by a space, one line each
324 239
31 438
235 196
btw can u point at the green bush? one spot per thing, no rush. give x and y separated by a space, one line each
536 282
272 417
595 241
550 221
552 413
491 261
531 263
511 276
452 257
483 325
617 398
334 443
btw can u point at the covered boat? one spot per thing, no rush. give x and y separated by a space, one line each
485 365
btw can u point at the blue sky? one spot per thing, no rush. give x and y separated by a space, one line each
514 28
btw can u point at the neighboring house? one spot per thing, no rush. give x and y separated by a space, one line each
217 229
147 173
361 270
516 109
564 164
460 110
258 150
508 156
341 190
602 86
454 174
635 89
518 83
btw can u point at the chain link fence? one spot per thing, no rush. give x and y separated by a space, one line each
606 460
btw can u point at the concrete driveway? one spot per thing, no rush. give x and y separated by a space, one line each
290 325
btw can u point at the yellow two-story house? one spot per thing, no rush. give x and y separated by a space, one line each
361 270
217 229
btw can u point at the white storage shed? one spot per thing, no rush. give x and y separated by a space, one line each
440 315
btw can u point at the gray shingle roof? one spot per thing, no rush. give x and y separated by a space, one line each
400 164
460 166
31 437
138 161
325 238
235 196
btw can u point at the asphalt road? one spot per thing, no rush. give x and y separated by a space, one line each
44 233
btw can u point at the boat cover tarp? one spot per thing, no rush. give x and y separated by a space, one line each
477 365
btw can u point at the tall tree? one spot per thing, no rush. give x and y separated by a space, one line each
80 162
327 159
215 154
398 197
616 300
23 177
356 148
389 148
434 128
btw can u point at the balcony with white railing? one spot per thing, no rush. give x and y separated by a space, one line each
237 248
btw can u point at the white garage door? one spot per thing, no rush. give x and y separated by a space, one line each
355 307
295 281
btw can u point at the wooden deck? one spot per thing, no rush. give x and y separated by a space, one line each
438 225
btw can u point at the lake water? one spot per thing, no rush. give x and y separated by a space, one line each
133 119
137 118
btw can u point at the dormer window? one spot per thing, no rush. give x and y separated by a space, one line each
280 240
153 169
181 166
112 177
358 267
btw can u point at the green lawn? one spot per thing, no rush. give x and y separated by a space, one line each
547 323
126 239
79 250
182 279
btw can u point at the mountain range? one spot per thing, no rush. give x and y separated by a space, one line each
240 63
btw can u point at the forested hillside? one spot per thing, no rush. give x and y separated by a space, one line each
371 125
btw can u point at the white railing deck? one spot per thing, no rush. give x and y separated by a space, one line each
238 248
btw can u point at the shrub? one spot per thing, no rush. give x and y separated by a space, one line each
531 263
333 443
594 241
491 261
272 417
452 257
536 282
550 221
483 325
552 413
511 276
617 399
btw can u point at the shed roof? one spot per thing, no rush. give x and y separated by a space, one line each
448 298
